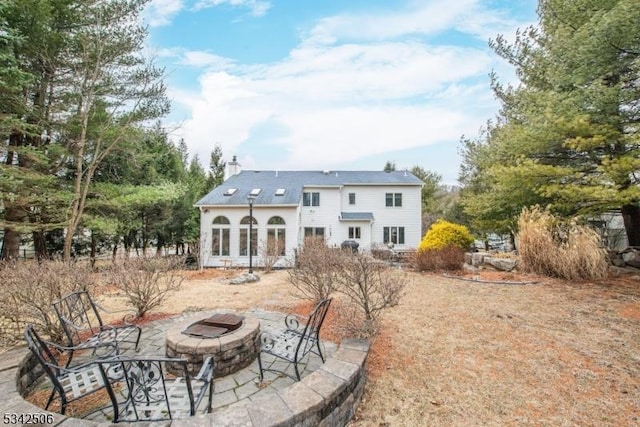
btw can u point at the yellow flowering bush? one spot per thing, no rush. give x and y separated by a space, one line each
443 234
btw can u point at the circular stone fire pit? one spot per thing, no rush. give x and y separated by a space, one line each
231 351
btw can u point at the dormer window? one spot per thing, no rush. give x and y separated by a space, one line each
230 191
280 192
255 191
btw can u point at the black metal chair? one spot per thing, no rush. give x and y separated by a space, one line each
151 395
296 341
69 384
84 328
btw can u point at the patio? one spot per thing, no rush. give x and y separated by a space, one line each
327 391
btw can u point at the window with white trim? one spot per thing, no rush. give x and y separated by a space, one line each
276 237
220 233
393 235
393 199
314 232
244 237
354 232
310 199
352 198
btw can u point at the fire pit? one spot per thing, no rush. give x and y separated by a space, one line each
231 339
214 326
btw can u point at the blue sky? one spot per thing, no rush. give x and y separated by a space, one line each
332 84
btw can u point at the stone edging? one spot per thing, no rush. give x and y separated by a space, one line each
326 397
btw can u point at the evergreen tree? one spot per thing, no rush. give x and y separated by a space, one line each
216 168
568 136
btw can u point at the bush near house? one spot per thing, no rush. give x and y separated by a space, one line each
444 233
442 247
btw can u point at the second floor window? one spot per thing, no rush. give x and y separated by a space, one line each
310 199
393 199
352 198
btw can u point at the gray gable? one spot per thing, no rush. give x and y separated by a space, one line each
293 182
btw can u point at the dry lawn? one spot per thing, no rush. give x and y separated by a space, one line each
461 353
456 352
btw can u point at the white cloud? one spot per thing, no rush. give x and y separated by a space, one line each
257 7
355 87
420 18
161 12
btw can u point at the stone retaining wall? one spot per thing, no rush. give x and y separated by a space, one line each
326 397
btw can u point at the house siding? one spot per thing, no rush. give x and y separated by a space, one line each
235 214
369 212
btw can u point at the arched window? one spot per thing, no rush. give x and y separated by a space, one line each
220 231
244 236
276 236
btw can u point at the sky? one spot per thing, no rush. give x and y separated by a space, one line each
332 84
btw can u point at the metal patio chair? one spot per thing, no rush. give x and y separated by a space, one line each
149 394
69 384
84 328
296 341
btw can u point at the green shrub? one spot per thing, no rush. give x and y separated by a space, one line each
443 233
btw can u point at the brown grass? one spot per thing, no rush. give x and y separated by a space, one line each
459 353
479 354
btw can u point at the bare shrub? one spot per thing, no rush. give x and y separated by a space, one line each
449 258
382 252
147 282
554 248
270 251
314 272
350 322
370 285
28 291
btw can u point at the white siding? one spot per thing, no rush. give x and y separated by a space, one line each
333 201
235 214
371 198
325 215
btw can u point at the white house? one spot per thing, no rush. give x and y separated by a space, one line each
370 207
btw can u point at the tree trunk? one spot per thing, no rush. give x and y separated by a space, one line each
94 244
10 244
631 218
40 245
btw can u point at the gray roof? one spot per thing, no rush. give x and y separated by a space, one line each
356 216
293 183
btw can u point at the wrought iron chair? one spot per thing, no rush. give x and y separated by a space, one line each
151 395
69 384
84 328
296 341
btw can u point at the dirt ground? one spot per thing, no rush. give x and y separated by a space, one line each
469 353
465 352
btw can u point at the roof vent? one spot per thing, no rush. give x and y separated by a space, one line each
326 171
255 191
230 191
280 192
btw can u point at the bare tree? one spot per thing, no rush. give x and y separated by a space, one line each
28 290
270 251
370 285
316 266
147 282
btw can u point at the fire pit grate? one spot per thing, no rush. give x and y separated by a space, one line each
214 326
